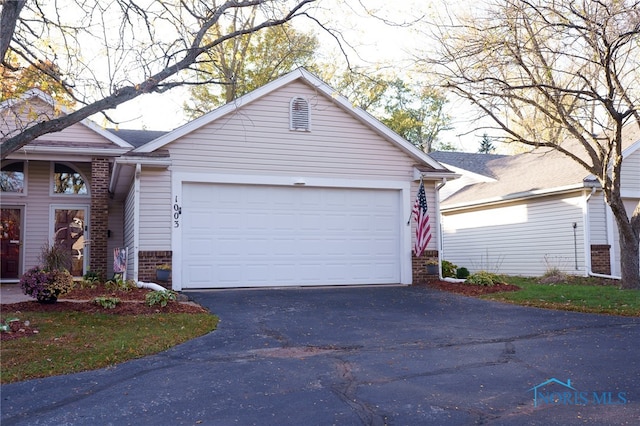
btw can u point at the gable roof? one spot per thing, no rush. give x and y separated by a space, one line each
540 171
302 75
37 94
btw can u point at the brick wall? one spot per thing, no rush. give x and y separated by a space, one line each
100 174
600 259
419 268
148 261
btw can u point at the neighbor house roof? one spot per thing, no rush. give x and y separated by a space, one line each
473 162
321 87
543 170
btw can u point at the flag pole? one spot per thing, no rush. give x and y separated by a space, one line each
411 212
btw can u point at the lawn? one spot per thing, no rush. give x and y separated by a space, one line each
69 342
582 295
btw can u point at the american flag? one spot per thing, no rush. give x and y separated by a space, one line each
423 228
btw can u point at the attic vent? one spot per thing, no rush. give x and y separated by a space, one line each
300 115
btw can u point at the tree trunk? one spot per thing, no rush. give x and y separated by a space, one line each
630 260
629 246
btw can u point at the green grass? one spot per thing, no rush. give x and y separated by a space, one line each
70 342
580 295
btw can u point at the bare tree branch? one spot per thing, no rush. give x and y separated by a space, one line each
191 21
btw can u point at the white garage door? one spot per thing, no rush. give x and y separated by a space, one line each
252 236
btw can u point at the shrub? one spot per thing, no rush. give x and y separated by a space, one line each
90 280
161 297
106 302
462 273
61 281
35 282
42 284
120 284
448 269
483 278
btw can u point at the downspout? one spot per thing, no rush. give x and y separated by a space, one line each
136 234
587 231
441 234
136 220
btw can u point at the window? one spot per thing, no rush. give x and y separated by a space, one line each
67 180
299 114
12 178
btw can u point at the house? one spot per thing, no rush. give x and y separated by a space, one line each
529 213
288 185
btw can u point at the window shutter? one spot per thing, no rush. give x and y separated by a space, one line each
299 114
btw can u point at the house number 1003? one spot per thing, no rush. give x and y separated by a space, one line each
177 211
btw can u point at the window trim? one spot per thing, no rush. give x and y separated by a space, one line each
25 171
52 174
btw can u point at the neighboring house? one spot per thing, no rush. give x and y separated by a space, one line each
287 185
526 214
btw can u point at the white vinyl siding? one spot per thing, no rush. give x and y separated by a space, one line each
155 210
598 219
256 139
630 175
115 226
129 230
79 135
518 238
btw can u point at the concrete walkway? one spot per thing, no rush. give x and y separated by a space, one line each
12 293
360 356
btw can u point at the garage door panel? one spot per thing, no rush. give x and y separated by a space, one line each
242 235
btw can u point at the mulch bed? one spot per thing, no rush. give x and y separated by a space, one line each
132 302
471 289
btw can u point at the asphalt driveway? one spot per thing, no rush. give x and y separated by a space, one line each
352 356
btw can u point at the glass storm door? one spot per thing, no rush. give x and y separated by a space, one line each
10 224
69 232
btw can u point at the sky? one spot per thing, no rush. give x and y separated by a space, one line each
374 41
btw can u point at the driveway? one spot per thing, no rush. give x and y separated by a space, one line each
353 356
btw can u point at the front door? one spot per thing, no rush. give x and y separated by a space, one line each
10 242
70 228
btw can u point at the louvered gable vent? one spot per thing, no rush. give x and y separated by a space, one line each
300 114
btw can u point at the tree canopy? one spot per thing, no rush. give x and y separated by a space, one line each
238 66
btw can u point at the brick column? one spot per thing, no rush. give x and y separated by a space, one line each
100 173
419 267
147 263
600 259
